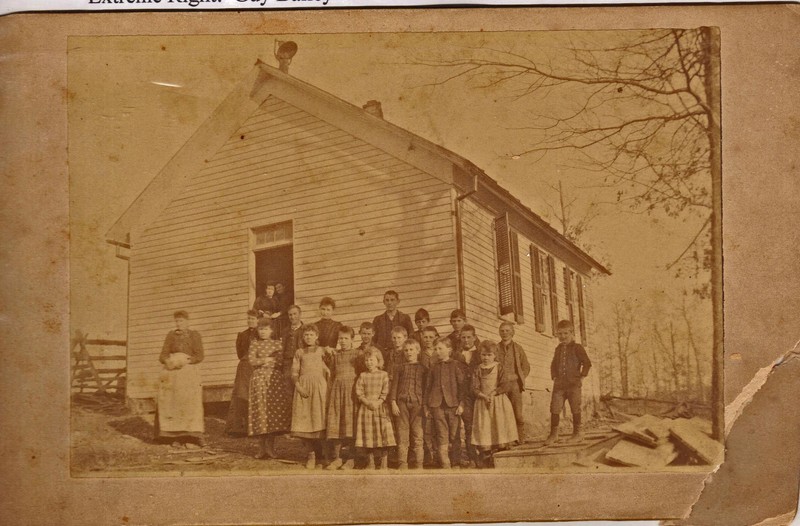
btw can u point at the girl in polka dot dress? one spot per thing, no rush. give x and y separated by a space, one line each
270 397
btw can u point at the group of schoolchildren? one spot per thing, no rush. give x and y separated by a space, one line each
400 387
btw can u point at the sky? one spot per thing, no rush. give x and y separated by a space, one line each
134 101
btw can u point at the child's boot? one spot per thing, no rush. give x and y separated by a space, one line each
419 457
336 463
384 458
577 433
269 448
430 457
402 457
553 437
322 452
312 460
444 457
370 460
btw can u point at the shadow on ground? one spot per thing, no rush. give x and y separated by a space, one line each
136 427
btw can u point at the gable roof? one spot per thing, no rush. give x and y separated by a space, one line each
264 81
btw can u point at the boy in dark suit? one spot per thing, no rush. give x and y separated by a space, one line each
405 398
421 319
471 358
457 320
444 402
391 318
569 367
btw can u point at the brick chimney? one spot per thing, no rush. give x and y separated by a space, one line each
373 107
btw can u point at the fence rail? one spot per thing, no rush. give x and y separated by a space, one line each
95 371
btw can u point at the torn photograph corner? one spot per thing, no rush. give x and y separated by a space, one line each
369 253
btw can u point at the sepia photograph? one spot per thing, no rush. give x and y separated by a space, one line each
371 253
421 266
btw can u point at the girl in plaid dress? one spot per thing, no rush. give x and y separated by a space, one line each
341 400
374 430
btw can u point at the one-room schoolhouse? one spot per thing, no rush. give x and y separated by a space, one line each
287 183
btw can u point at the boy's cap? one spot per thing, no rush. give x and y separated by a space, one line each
458 313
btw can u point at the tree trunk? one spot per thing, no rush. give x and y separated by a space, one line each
712 76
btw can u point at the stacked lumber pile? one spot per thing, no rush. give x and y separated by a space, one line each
654 442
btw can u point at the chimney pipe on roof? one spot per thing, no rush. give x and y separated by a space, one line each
284 53
373 107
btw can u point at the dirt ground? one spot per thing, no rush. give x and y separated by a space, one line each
107 439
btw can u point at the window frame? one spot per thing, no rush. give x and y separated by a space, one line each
507 270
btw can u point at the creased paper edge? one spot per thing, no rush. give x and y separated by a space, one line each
732 413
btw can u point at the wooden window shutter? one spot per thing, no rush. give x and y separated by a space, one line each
509 282
568 294
502 248
581 308
551 275
536 275
515 268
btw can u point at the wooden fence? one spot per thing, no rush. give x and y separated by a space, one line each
98 365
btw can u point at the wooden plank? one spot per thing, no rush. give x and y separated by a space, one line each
328 158
700 444
655 426
635 429
306 142
109 357
219 214
533 455
629 453
362 160
119 343
229 227
702 424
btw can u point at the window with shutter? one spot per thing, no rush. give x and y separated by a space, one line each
568 294
515 269
551 275
538 286
509 283
581 308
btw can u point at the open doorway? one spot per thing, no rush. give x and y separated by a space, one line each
275 265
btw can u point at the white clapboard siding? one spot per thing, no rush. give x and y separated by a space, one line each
482 296
363 222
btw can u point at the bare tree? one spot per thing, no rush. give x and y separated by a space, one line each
624 342
666 342
570 221
694 350
645 117
636 111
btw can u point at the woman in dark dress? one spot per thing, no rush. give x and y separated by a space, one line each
236 423
327 327
270 412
